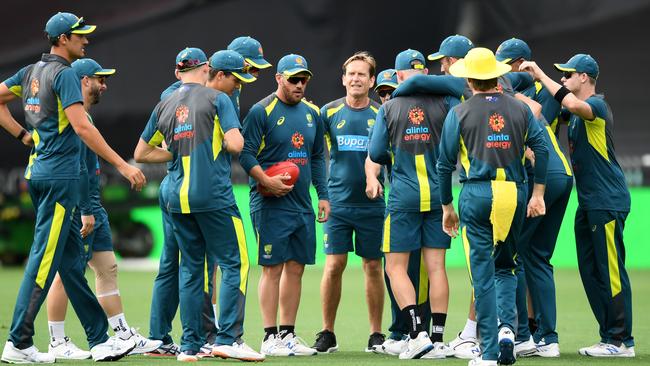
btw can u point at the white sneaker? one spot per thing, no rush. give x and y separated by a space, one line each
142 344
545 350
607 350
392 347
64 349
297 345
112 350
273 346
417 347
439 350
506 347
479 361
11 354
187 357
238 350
465 348
523 348
205 351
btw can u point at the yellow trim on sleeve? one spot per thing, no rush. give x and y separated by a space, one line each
50 248
243 254
538 87
331 111
597 136
374 109
269 108
63 119
423 183
612 258
504 205
328 141
386 242
262 146
185 186
217 137
156 139
558 151
17 90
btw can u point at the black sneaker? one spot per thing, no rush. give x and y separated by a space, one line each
375 340
325 342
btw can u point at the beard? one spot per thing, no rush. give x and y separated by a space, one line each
291 97
95 95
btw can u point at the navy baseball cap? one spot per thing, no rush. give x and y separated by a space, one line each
61 23
387 77
453 46
233 62
89 67
251 50
580 63
513 49
409 59
190 58
293 64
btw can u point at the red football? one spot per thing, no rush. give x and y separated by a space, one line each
278 169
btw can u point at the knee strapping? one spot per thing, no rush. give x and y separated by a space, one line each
105 267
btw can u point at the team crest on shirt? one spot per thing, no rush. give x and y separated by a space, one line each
310 120
340 124
497 140
182 112
416 115
371 122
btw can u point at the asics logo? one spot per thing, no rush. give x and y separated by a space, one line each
280 121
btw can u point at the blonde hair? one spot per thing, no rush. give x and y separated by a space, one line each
364 56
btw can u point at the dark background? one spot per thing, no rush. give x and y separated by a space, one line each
140 38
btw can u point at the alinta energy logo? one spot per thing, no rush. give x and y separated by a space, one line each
183 130
414 132
33 103
297 156
497 140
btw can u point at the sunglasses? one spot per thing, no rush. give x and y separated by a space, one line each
297 79
568 74
384 92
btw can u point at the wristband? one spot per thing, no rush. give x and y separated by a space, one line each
561 93
21 134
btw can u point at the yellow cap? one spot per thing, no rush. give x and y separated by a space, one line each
479 64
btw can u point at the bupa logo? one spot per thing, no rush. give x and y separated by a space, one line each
340 124
352 143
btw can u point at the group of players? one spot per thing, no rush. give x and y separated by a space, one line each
489 110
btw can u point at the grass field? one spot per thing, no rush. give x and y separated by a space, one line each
576 325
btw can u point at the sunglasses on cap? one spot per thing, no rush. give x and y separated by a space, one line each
185 65
384 92
297 79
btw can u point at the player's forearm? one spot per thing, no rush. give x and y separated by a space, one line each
372 169
8 122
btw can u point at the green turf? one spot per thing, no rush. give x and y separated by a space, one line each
576 325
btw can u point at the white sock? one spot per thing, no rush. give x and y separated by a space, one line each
119 326
57 329
470 329
216 315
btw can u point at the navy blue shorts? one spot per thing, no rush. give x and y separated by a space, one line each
407 231
364 222
284 235
101 239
